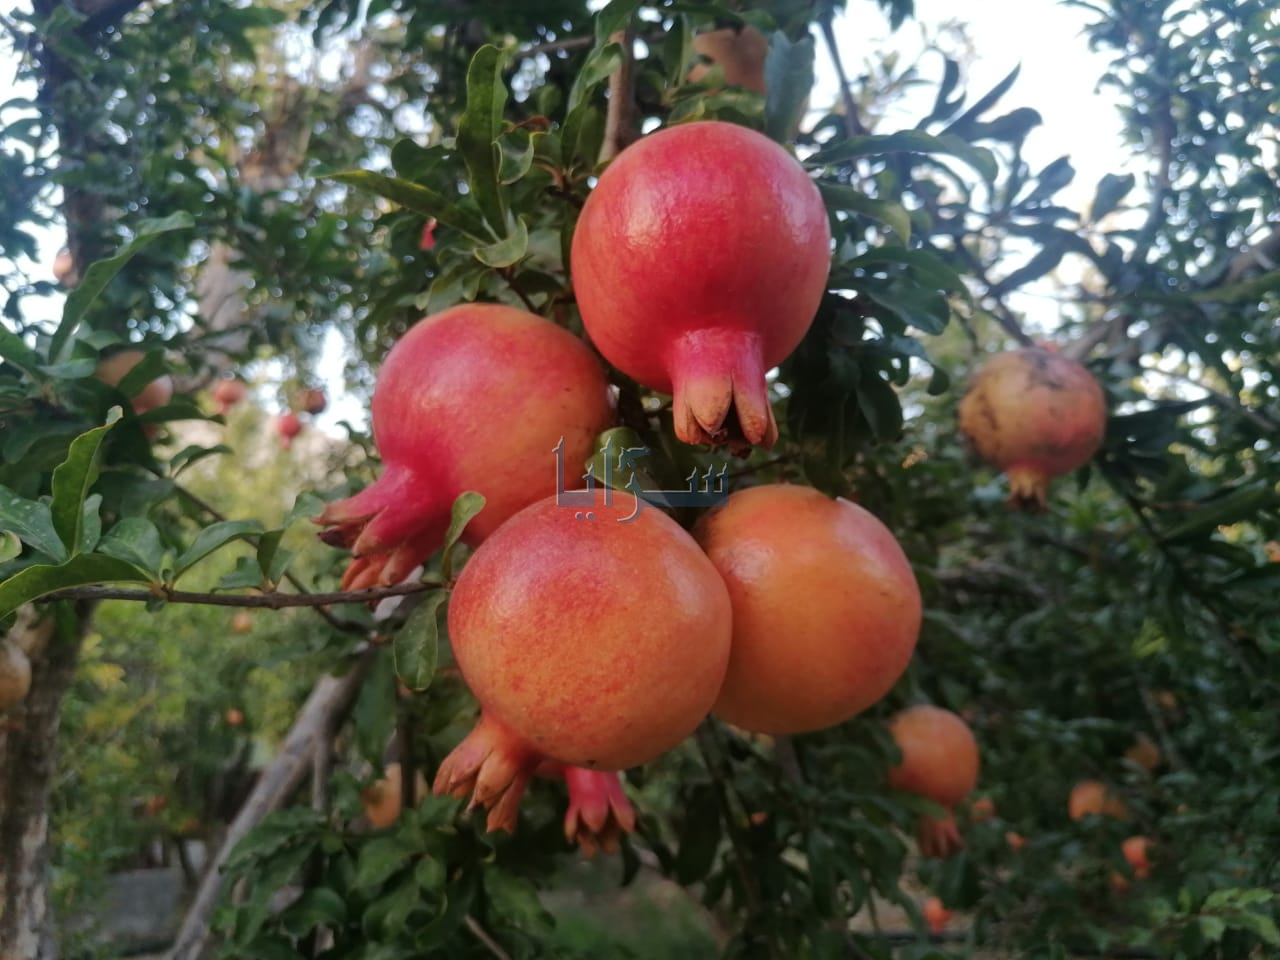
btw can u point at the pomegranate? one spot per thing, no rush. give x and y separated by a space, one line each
1135 850
111 370
739 52
382 800
982 810
288 426
64 269
939 763
699 261
936 915
242 622
313 401
228 392
15 675
1093 798
802 665
476 397
587 641
1015 841
1144 753
1035 414
234 717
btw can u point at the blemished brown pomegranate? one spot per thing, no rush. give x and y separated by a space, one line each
699 261
228 392
288 426
1035 415
114 368
477 398
940 763
587 641
826 610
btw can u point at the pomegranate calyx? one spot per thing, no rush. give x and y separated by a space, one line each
494 767
1028 489
599 811
719 390
939 838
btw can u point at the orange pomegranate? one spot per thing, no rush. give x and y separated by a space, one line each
983 809
382 800
1015 841
739 52
936 916
242 622
1034 414
826 609
1136 850
114 368
1093 798
940 763
234 717
1144 753
593 636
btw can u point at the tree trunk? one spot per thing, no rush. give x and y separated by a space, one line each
28 738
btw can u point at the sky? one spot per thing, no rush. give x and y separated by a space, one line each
1058 78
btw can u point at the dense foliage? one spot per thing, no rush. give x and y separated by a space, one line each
238 180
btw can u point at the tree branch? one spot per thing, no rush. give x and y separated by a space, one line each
852 122
619 121
271 601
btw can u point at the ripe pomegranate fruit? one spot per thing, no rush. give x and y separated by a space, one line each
587 641
228 392
982 810
1035 414
242 622
288 426
382 800
699 261
234 717
1015 841
1135 850
936 915
1144 753
64 269
476 397
939 763
802 665
739 53
1093 798
15 675
313 401
114 368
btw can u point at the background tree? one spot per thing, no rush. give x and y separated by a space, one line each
195 155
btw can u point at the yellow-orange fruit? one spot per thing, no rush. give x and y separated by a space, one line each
1136 850
936 915
1092 798
1034 414
1144 752
111 370
739 53
940 763
383 799
826 609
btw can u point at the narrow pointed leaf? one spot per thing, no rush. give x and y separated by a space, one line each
417 644
419 199
85 569
478 133
32 522
212 537
71 482
465 508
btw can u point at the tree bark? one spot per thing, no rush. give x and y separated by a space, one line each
51 638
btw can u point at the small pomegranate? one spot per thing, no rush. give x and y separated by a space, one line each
936 916
982 810
1015 841
288 426
698 262
556 628
939 763
111 370
242 622
740 54
228 392
1144 753
1093 798
1035 414
15 675
234 717
382 800
476 397
313 401
826 610
64 269
1135 850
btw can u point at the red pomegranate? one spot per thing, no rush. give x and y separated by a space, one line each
288 426
939 763
114 368
698 262
936 915
228 392
589 639
1035 414
826 610
1093 798
474 398
1136 851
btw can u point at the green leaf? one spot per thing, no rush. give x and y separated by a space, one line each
268 550
478 133
465 508
135 540
788 77
1212 928
85 569
317 907
10 546
839 196
925 310
417 643
212 537
32 522
193 454
419 199
879 403
379 859
15 350
374 715
101 273
598 66
907 141
700 836
71 482
507 252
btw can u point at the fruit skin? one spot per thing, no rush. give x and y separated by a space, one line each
313 401
383 799
940 763
228 392
64 269
936 915
242 622
1135 850
797 667
594 643
234 717
476 397
740 54
1093 798
15 675
1035 414
699 261
111 370
288 426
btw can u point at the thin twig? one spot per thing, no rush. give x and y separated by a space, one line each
481 934
271 601
619 121
852 122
